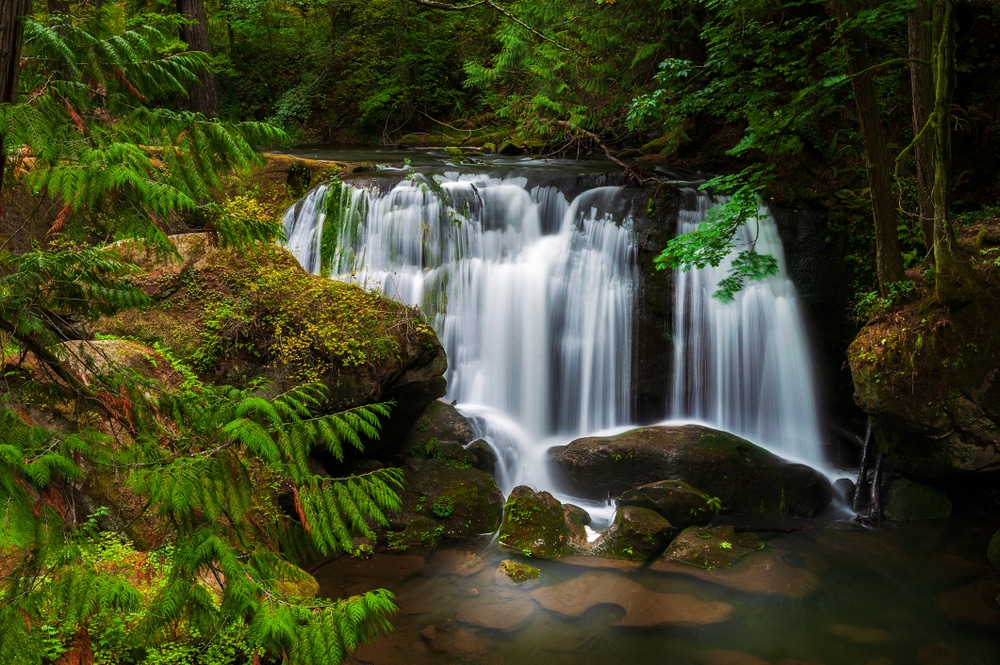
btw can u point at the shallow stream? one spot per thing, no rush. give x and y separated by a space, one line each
918 593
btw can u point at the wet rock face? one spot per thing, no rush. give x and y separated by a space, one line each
747 479
718 547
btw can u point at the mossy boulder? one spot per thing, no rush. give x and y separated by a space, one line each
718 547
456 500
538 525
749 480
233 317
678 502
993 550
928 376
636 535
907 500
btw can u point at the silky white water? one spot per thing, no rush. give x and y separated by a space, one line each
532 291
744 366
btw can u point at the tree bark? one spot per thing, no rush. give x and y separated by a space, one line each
12 15
60 7
888 257
920 39
204 96
951 269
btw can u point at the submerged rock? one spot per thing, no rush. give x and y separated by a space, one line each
748 479
761 572
506 615
643 608
636 534
906 500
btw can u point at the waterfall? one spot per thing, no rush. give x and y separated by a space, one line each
531 290
744 367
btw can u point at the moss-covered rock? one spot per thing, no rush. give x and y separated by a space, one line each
718 547
928 376
538 525
678 502
748 479
906 500
456 500
297 582
636 534
233 317
993 550
520 574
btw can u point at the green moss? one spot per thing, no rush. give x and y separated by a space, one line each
519 573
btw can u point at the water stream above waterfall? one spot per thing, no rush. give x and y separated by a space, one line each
530 279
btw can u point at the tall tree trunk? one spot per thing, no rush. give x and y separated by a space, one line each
920 39
888 257
12 15
60 7
951 268
204 97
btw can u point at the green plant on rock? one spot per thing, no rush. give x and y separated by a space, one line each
443 507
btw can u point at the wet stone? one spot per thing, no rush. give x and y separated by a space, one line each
506 615
643 608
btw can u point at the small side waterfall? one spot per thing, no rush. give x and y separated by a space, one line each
745 366
532 290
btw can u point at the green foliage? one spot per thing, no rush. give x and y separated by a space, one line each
344 211
579 62
870 303
119 164
712 242
196 458
443 507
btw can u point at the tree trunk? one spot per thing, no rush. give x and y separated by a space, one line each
920 38
204 97
60 7
12 14
951 269
888 257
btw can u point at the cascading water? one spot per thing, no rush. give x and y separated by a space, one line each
744 366
531 291
531 295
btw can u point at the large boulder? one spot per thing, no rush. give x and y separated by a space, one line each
906 500
748 479
233 317
718 547
928 376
